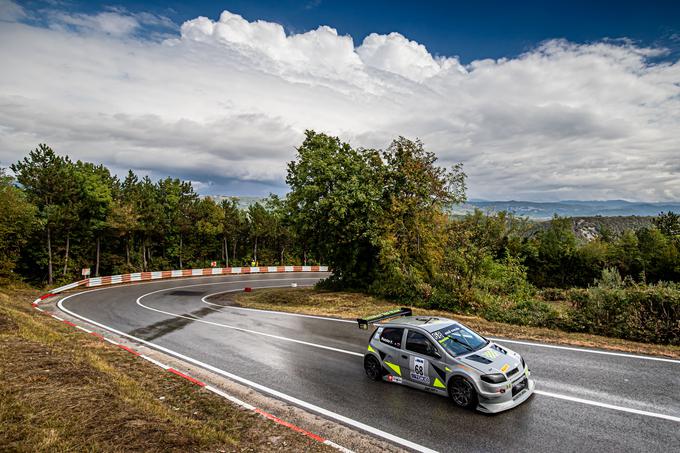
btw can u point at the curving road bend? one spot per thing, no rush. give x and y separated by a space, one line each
585 401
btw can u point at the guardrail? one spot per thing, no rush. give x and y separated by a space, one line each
159 275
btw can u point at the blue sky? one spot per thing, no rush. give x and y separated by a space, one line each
471 30
575 101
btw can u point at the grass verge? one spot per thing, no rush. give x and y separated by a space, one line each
63 390
353 305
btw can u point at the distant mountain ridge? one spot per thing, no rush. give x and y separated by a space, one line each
570 208
537 210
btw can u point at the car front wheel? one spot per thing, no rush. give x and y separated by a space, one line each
463 393
373 368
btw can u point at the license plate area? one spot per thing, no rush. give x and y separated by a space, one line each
517 388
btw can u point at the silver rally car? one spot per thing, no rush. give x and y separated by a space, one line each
441 355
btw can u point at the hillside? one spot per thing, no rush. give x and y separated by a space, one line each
589 228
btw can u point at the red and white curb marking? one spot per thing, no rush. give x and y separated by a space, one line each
179 273
194 381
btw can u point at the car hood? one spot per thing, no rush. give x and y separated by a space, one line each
493 359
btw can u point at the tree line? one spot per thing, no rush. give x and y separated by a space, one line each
61 216
379 218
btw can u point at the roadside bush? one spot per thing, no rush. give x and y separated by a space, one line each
650 314
525 312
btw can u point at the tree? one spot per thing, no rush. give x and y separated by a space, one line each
95 198
42 175
208 227
555 248
18 219
335 205
668 223
232 220
416 193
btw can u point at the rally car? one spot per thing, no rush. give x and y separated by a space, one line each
443 356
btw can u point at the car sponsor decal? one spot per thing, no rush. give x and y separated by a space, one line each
505 367
490 354
395 368
395 379
420 370
419 378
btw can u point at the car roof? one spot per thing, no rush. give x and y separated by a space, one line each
427 323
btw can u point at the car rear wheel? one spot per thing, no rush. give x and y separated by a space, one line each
373 368
463 393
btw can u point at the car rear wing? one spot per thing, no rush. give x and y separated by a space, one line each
397 312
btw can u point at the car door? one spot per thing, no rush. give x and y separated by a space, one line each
426 367
391 339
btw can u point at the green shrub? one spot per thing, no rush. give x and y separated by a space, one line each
649 314
526 312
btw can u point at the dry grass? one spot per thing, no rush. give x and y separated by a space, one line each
354 305
63 390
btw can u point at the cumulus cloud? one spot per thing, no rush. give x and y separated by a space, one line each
10 11
394 53
224 103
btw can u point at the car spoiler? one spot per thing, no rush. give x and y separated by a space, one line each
397 312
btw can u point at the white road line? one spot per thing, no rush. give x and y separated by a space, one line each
592 351
83 329
241 329
154 361
284 313
608 406
330 443
504 340
233 399
291 399
527 343
325 411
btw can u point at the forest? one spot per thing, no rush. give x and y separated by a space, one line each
381 219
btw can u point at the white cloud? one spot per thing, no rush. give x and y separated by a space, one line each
394 53
225 102
11 11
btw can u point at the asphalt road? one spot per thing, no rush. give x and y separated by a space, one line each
318 361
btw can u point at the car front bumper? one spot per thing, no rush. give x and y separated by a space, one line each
507 400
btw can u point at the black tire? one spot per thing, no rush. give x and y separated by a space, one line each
463 393
373 368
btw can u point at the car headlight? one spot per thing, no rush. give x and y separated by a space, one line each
495 378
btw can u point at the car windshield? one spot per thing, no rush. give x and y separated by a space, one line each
458 339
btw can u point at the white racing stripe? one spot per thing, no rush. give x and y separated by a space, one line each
291 399
608 406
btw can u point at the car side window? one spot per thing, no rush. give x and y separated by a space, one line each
418 343
392 336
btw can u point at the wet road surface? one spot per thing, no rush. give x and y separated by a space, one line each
319 361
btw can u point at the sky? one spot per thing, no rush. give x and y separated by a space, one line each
575 101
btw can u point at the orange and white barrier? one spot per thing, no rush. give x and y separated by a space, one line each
159 275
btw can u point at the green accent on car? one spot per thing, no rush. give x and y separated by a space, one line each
395 368
370 348
385 313
438 383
